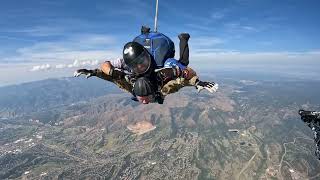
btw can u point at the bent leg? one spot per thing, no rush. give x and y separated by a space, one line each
184 48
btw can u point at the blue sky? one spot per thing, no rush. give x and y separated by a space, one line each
36 33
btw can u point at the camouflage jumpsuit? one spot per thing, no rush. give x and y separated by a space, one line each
168 88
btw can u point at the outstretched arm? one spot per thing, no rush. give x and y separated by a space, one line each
95 72
107 72
188 77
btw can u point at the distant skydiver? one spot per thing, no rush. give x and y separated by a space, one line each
312 119
148 69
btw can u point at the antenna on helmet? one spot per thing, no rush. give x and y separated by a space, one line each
156 17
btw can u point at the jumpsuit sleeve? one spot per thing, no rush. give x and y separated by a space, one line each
187 77
117 78
117 63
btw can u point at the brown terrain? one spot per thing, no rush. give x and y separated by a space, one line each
240 132
141 127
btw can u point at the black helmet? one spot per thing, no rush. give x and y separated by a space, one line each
143 87
136 57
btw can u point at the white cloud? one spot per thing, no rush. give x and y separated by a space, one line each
80 47
249 28
58 58
75 64
237 27
308 58
205 42
198 27
78 63
16 38
299 63
20 73
38 31
218 15
41 67
89 40
61 66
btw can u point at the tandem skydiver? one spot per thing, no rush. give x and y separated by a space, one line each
312 119
148 69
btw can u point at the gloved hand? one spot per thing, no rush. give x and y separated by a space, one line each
210 86
86 72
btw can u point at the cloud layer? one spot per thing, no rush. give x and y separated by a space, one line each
81 47
75 64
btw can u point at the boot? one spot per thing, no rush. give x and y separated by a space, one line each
184 48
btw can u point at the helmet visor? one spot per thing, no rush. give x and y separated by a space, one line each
141 64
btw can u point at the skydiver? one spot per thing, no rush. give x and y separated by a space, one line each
312 119
152 83
145 90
